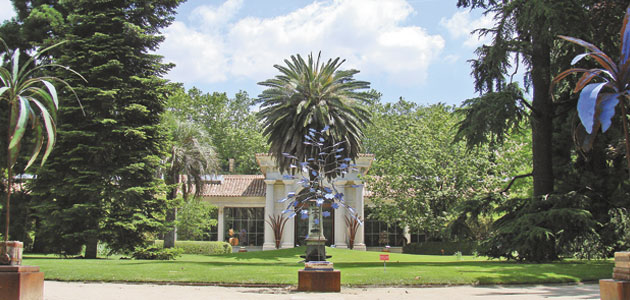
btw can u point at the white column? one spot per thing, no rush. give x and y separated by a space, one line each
359 241
341 230
288 236
220 225
269 243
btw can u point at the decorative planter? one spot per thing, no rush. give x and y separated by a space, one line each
13 256
617 288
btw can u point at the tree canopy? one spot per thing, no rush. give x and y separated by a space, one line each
100 182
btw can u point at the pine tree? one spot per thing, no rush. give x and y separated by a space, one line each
100 182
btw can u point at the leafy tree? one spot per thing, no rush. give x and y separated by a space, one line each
230 123
583 181
191 155
525 30
420 177
195 220
100 183
313 95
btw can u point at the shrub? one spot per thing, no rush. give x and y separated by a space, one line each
156 253
195 220
200 247
435 248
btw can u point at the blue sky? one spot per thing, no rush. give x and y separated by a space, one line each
417 50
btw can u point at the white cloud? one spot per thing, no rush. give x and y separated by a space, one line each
369 34
451 59
6 10
210 17
460 25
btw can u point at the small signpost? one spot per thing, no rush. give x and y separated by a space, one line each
384 258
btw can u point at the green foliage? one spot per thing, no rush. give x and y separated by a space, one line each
620 222
200 247
195 220
489 119
535 229
435 248
22 217
100 181
313 95
156 253
230 123
192 156
420 176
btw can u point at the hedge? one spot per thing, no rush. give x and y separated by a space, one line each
435 248
200 247
155 252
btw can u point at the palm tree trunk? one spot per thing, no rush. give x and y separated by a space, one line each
91 248
171 215
171 236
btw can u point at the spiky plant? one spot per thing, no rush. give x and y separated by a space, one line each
31 100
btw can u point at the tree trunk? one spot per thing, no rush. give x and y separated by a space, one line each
91 248
171 236
542 120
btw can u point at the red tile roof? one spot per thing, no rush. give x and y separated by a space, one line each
243 186
237 186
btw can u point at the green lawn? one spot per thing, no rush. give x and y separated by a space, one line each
357 268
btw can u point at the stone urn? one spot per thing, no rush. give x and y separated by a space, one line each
13 255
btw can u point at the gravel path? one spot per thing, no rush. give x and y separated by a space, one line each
54 290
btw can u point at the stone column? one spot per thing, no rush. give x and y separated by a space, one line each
341 230
359 240
220 225
269 243
288 235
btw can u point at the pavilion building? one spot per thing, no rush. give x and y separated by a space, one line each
244 202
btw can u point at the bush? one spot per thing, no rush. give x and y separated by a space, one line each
156 253
435 248
195 220
200 247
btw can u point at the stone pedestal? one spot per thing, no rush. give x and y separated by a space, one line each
617 288
319 281
21 283
611 289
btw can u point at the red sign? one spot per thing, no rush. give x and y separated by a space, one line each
384 256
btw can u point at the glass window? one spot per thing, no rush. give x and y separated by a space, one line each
301 227
378 233
244 226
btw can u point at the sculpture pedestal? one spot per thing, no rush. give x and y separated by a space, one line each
319 281
21 283
611 289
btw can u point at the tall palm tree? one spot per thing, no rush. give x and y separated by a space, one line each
313 95
31 100
191 155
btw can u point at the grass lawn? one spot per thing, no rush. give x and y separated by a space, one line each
357 268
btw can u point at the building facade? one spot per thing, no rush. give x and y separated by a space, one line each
245 201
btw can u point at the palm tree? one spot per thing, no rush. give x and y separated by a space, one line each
313 95
191 155
31 100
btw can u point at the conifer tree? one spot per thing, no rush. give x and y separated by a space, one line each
100 182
